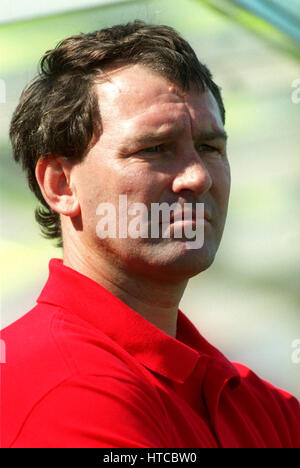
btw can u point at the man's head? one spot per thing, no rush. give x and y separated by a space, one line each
127 110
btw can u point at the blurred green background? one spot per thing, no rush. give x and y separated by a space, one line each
247 304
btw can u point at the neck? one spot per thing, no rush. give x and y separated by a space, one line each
155 300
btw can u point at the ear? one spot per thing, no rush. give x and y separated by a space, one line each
54 176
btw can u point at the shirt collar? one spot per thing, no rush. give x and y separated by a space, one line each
172 358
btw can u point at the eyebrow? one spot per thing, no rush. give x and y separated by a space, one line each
212 135
154 137
157 136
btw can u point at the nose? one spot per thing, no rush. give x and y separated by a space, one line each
194 176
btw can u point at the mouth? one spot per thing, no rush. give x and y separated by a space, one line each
189 215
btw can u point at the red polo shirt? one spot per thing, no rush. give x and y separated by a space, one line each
85 370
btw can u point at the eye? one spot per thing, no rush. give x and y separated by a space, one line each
153 149
211 151
207 148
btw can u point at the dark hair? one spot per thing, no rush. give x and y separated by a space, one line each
58 112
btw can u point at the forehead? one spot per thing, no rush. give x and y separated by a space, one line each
134 96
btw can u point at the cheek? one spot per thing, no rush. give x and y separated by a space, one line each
140 183
88 191
221 183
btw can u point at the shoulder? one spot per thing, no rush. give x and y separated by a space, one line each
262 387
50 340
95 411
72 377
33 366
280 406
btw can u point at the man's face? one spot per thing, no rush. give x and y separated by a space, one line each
157 144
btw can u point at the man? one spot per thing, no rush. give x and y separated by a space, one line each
106 359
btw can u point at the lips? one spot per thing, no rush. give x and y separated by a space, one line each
181 215
188 214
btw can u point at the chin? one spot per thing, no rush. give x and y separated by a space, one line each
191 263
175 262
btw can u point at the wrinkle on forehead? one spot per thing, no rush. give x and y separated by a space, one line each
137 82
132 100
135 96
177 91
